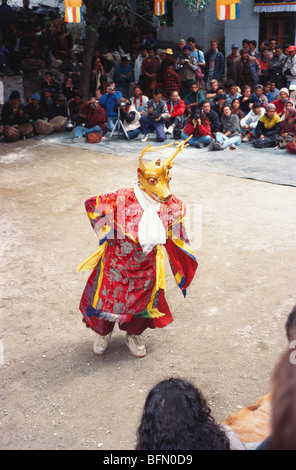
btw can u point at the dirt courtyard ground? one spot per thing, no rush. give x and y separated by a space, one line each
226 335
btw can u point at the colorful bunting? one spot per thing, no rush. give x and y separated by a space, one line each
160 7
73 11
228 9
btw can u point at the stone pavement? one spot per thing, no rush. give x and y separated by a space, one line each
270 165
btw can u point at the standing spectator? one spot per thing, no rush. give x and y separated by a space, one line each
138 65
8 16
232 61
153 117
45 47
171 81
272 45
20 49
150 72
193 99
248 70
276 65
26 17
176 109
252 49
268 129
197 53
264 64
231 132
289 69
108 101
181 44
49 83
214 63
138 100
169 60
123 76
98 80
186 67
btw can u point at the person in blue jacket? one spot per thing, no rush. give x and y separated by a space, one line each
108 101
123 76
214 63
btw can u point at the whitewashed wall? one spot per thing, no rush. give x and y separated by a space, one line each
245 27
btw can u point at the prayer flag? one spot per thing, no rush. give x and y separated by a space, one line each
160 7
73 11
228 9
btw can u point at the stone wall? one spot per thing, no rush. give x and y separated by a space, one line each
9 83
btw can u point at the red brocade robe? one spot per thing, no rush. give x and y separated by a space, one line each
125 281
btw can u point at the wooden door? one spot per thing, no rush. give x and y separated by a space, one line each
280 26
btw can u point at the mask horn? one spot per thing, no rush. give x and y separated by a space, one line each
179 148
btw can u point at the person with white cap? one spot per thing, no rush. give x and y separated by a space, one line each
292 90
289 69
280 103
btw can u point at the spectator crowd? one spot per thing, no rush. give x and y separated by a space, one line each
220 100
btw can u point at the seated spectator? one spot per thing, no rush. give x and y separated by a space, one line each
48 103
72 68
231 134
93 118
280 103
267 92
123 76
153 117
50 84
130 118
219 104
5 60
34 109
176 110
212 91
98 80
60 45
138 100
200 128
171 81
68 89
236 109
60 106
249 122
274 91
247 100
13 110
45 47
233 93
74 108
176 416
193 99
108 101
287 127
211 115
258 91
291 146
268 129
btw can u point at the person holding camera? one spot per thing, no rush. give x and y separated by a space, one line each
153 117
199 127
129 117
186 67
92 118
108 101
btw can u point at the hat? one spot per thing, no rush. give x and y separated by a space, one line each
14 94
285 90
259 86
291 48
292 85
186 48
270 106
292 111
234 46
35 97
221 96
169 51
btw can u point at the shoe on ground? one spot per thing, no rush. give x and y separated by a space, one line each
78 139
135 345
104 138
212 143
246 138
199 145
218 146
232 147
101 343
170 129
145 138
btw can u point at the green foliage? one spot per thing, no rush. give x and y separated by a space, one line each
196 6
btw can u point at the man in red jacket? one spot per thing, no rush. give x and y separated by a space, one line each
176 109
